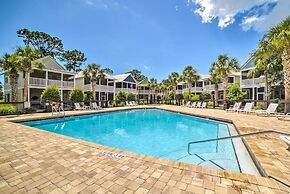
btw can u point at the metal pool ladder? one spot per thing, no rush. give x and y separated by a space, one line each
236 136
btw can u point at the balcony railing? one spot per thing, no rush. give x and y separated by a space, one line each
99 88
143 91
68 84
254 82
41 82
54 82
127 90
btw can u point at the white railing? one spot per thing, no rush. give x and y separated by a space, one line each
127 90
143 91
40 82
254 82
68 84
54 82
99 88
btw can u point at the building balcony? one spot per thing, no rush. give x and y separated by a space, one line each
143 91
40 82
127 90
254 82
99 88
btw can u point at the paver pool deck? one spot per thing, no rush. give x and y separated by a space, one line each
37 161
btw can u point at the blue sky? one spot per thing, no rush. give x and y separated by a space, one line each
156 37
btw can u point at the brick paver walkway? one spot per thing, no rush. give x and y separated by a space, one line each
36 161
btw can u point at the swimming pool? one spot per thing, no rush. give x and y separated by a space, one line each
156 133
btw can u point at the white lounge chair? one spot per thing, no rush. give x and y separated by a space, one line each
284 117
96 106
203 105
198 105
188 104
128 104
193 105
236 107
248 108
272 109
78 106
132 103
286 139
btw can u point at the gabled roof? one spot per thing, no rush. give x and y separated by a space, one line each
51 64
125 77
249 64
80 74
144 82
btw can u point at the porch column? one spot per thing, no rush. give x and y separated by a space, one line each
114 90
107 97
46 78
28 95
194 88
253 94
61 87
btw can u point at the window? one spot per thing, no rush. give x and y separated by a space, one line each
231 79
118 85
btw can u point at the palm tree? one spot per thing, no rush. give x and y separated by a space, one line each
222 67
152 84
214 79
164 86
29 60
94 72
189 75
173 79
279 39
10 66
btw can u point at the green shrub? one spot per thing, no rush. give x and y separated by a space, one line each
195 97
122 103
179 97
76 95
88 96
51 93
130 96
114 104
261 106
205 96
145 102
141 102
121 95
7 109
210 104
170 95
235 93
186 95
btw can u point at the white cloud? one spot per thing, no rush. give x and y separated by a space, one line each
255 14
146 67
102 4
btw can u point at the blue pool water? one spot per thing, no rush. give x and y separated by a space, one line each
151 132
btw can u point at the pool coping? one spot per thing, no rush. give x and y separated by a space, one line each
123 152
202 170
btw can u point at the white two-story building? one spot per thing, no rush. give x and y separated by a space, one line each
255 86
52 74
204 85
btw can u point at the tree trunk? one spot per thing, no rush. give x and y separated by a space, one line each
189 89
14 86
26 80
225 86
286 72
216 92
267 88
94 85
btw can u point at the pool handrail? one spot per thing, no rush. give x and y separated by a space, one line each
236 136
